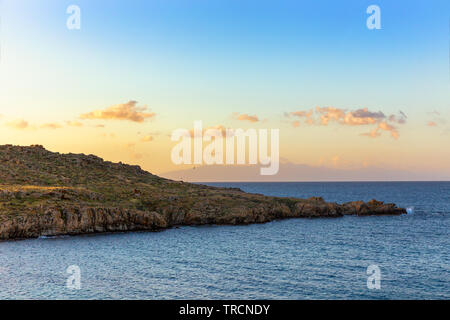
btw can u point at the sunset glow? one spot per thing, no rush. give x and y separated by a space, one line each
343 97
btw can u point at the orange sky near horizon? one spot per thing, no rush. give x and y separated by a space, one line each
144 141
342 96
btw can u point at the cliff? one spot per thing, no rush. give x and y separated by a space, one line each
46 193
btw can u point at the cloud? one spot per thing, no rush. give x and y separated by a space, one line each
390 128
74 123
363 117
328 114
372 134
301 114
383 126
400 119
352 118
437 119
51 126
359 117
125 111
147 139
22 125
403 114
245 117
18 124
365 113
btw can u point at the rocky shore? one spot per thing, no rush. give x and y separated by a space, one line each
46 194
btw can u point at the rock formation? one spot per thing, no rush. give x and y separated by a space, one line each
46 193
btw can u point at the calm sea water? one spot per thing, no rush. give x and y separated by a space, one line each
289 259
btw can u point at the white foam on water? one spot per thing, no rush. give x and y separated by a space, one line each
46 237
410 210
43 237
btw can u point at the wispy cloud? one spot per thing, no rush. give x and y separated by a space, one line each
390 128
437 119
372 134
307 115
245 117
74 123
147 138
328 114
18 124
296 123
125 111
382 126
400 119
21 124
51 126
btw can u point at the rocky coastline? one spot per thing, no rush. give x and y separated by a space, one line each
43 193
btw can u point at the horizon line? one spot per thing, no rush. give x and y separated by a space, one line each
312 181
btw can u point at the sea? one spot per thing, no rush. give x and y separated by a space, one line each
377 257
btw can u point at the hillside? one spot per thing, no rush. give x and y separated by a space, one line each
47 193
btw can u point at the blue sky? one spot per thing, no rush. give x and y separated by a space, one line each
189 60
282 51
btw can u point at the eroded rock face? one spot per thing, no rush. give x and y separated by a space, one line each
72 221
76 221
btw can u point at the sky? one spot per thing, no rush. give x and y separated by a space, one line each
343 96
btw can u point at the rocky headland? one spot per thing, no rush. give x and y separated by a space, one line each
43 193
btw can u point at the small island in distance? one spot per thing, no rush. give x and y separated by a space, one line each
44 193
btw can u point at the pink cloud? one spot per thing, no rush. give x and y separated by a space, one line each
360 117
51 126
125 111
18 124
245 117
